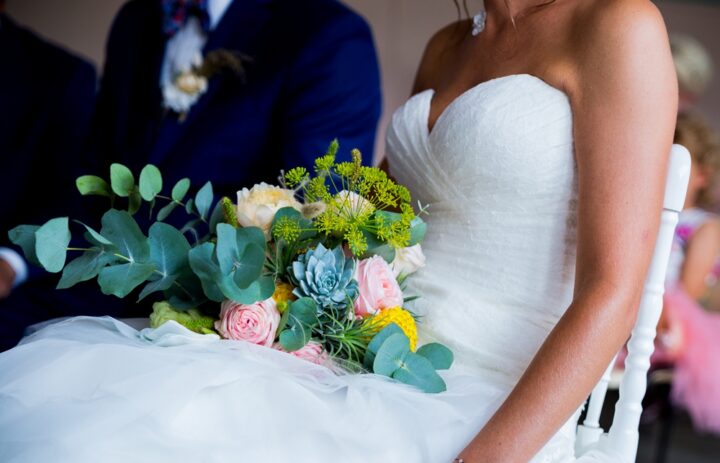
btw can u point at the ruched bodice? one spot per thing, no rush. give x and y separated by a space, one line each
498 174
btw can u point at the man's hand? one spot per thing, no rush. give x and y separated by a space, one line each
7 278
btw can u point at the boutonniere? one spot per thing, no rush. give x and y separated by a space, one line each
187 86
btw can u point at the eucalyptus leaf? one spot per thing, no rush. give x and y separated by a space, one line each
204 199
301 320
258 290
190 206
169 252
390 356
227 247
92 185
207 270
168 248
165 211
24 236
377 341
83 268
97 237
418 229
252 235
122 231
216 217
158 285
417 371
120 280
249 266
134 202
439 356
52 240
121 180
150 182
180 190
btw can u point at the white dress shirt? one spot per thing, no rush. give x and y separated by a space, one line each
183 51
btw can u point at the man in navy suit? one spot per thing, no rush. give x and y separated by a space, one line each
310 75
46 103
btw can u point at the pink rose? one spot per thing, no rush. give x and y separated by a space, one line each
378 287
312 352
255 323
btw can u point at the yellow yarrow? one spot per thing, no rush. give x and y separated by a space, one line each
401 318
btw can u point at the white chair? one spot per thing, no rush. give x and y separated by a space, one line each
620 444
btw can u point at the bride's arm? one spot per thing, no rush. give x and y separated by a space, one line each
624 100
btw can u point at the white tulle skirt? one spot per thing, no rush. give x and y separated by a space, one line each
95 390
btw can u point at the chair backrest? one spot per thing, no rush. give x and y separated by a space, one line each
620 444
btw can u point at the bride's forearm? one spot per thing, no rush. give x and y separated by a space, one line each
559 379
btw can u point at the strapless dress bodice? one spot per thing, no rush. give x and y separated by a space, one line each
497 173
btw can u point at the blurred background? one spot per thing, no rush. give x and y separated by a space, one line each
401 29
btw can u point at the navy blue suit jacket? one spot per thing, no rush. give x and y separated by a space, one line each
313 77
46 103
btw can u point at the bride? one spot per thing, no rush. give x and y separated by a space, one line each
538 134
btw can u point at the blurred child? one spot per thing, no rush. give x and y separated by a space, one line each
688 335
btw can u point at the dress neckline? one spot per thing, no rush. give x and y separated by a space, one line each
430 130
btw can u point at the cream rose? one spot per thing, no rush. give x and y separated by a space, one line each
408 260
257 207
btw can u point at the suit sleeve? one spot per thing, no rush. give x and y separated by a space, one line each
333 91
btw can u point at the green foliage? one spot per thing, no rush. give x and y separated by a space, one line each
180 190
52 240
363 206
92 185
191 319
395 359
120 280
204 199
121 180
301 319
24 236
150 182
439 356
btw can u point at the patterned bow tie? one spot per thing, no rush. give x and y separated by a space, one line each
177 12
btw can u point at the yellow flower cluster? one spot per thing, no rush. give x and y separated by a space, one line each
400 317
283 294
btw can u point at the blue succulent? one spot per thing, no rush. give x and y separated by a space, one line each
326 276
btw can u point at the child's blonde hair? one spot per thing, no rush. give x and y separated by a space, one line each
694 133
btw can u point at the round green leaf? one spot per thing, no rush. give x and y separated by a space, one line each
391 354
439 356
92 185
52 240
417 371
377 341
166 210
121 180
24 236
120 280
150 182
180 189
204 199
134 202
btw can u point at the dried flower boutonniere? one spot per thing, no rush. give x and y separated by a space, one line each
187 86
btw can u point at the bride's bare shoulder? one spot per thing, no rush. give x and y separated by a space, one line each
437 53
618 26
619 38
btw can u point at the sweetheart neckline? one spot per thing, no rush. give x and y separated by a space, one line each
429 131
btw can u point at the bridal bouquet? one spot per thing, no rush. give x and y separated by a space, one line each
314 266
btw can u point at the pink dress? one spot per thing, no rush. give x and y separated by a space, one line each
692 341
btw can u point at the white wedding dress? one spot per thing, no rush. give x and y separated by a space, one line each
498 173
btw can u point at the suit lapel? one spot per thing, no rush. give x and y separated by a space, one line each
237 31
